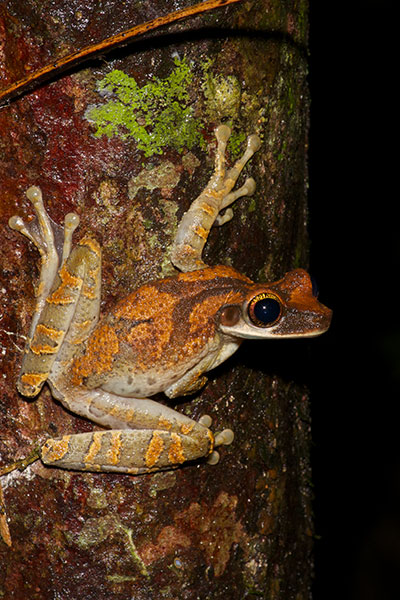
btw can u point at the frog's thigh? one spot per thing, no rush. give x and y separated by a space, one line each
119 412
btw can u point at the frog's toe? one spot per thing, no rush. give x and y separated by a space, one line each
29 231
224 438
213 459
205 420
221 219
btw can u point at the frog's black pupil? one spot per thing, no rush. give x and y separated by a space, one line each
267 310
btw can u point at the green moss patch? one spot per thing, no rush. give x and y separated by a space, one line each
156 115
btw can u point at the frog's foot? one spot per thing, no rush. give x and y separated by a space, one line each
222 438
247 189
41 233
211 206
224 181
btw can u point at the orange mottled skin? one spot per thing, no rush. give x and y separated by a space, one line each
161 324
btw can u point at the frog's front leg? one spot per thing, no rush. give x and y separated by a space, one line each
195 379
145 436
204 212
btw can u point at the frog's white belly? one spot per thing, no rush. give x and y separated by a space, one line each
137 384
134 383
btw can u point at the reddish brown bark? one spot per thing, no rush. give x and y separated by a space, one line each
239 529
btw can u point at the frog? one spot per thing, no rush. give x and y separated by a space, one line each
163 337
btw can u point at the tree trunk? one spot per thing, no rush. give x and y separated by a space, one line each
242 528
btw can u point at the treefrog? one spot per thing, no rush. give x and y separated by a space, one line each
163 337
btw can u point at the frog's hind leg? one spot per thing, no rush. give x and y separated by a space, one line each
65 294
204 212
145 436
70 313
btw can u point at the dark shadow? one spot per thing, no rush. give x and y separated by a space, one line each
355 254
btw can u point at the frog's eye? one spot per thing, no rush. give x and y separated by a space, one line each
265 310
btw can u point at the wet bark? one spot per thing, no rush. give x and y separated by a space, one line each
239 529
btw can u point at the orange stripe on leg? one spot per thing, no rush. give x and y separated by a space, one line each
60 294
54 450
114 451
50 332
92 244
154 450
201 232
33 379
176 454
94 447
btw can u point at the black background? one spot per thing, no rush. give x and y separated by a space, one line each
355 369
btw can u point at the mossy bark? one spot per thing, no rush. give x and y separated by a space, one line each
240 529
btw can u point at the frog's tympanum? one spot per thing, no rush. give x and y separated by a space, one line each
163 337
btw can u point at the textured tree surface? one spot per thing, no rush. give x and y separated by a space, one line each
242 528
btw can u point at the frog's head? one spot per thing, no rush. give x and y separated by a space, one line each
284 309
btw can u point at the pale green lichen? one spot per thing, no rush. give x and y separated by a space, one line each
223 100
97 498
107 194
252 205
171 225
156 115
222 94
226 102
165 176
93 532
120 578
235 144
131 547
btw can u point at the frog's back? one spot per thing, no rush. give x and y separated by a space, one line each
160 330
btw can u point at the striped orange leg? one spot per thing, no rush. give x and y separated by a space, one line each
204 212
65 293
145 436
